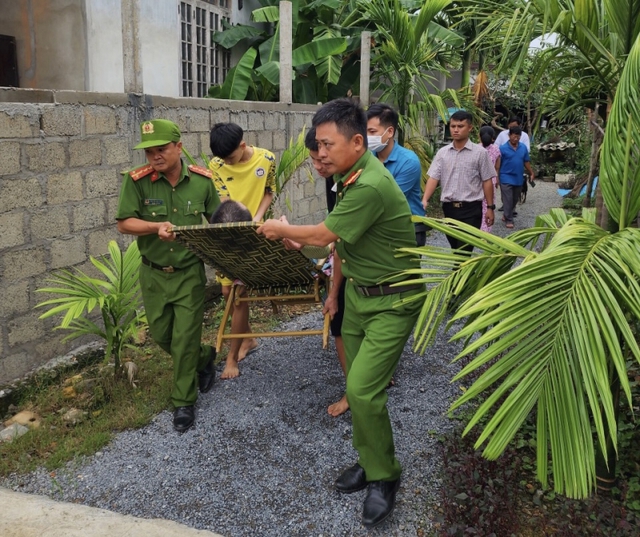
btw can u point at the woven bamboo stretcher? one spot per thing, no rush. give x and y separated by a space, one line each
266 268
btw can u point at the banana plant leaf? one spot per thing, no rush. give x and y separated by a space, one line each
230 37
271 71
239 78
318 50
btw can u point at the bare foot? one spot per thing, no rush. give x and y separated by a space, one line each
248 346
339 408
231 370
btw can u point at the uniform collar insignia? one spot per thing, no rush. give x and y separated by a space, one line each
352 178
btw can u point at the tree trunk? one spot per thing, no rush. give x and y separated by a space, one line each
597 137
467 56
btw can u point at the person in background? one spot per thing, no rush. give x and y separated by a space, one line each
464 172
487 137
404 164
514 158
154 198
503 136
341 406
245 174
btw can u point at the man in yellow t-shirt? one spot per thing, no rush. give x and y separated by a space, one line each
245 174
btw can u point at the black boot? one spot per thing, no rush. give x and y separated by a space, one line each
183 418
352 480
380 501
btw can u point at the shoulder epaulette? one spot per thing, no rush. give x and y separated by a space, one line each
143 171
352 178
200 170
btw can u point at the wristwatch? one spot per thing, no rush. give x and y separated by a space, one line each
492 207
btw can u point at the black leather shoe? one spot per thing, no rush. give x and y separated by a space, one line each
183 418
352 480
207 376
380 501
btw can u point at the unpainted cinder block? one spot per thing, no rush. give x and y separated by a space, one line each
24 329
86 152
15 298
64 187
88 215
68 252
9 158
45 156
13 231
103 182
62 120
100 120
50 223
24 263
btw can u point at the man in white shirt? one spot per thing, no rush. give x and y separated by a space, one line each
503 137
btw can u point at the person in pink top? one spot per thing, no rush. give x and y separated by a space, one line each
487 137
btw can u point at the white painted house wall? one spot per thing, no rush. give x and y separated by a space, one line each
104 46
160 47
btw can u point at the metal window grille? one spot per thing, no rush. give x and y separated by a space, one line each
201 52
185 43
226 57
203 62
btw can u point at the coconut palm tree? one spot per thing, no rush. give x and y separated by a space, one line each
554 309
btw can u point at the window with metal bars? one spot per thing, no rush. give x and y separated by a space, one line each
204 63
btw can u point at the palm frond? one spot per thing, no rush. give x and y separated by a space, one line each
554 352
620 170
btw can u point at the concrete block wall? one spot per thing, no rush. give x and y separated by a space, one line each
61 158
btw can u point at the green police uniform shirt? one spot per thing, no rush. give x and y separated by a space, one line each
372 219
147 195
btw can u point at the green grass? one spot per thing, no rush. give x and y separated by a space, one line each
111 405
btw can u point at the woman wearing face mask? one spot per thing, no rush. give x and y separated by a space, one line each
404 164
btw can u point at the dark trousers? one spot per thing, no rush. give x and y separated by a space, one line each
510 197
469 212
421 234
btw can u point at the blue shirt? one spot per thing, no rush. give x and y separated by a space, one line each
512 163
405 167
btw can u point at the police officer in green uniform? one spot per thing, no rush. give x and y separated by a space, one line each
153 199
370 221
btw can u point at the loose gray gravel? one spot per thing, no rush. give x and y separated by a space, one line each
264 453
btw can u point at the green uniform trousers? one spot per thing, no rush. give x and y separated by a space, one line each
374 334
174 303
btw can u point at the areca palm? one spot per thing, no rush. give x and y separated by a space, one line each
116 295
553 307
408 42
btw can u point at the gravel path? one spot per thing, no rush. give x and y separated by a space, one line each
263 455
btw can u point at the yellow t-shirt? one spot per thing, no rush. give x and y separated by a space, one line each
246 182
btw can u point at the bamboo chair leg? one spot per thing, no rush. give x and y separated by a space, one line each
225 316
325 331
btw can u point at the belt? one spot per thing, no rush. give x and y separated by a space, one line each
379 290
460 204
153 265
